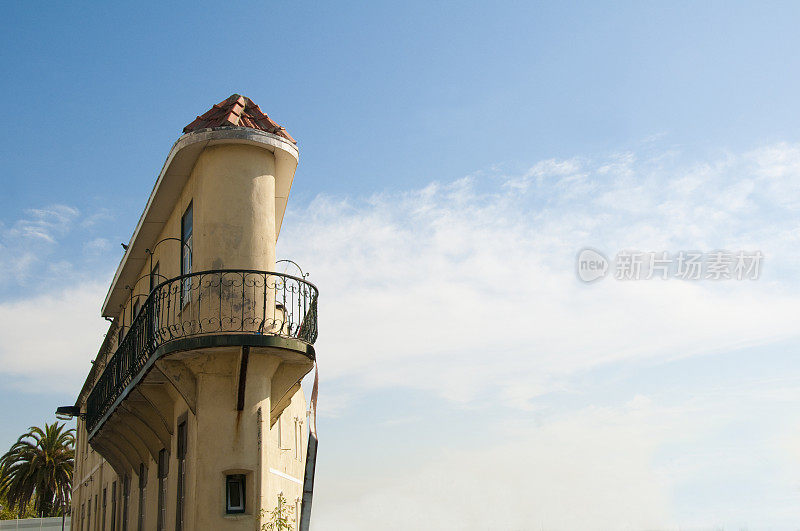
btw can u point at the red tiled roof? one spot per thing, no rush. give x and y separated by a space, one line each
238 111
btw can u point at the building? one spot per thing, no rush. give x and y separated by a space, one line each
192 416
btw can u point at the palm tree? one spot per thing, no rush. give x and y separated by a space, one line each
39 466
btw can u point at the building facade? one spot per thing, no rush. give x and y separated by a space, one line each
192 416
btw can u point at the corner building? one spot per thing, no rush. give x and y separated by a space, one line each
192 416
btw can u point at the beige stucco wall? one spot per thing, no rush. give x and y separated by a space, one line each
220 440
232 189
236 216
232 192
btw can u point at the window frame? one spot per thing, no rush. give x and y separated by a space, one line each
180 503
126 499
121 331
298 438
155 306
185 259
241 481
142 495
154 277
163 474
113 506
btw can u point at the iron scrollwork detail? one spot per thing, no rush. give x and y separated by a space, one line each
206 302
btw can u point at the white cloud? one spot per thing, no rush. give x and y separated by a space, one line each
98 215
468 289
96 246
44 223
27 241
49 339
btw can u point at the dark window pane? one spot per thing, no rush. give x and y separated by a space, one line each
235 495
235 498
163 463
181 440
186 251
154 277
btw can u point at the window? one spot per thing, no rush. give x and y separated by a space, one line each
89 512
83 515
154 278
179 507
136 307
103 524
83 436
163 471
186 252
280 435
126 496
298 438
114 506
121 331
142 485
297 514
234 493
96 511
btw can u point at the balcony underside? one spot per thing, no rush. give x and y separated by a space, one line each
296 357
141 420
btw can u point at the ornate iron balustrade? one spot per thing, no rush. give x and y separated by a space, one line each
207 302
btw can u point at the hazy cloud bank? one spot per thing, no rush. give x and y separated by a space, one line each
468 288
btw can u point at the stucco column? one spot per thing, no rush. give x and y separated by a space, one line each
234 212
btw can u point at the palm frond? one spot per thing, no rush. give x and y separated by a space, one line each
39 467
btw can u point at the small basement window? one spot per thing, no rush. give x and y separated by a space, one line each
234 491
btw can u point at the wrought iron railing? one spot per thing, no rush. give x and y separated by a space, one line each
208 302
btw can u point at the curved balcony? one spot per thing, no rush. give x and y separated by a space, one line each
219 302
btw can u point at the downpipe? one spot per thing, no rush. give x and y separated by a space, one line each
311 457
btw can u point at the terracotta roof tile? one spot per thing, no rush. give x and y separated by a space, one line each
237 111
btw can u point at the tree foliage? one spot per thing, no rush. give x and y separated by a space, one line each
281 518
38 469
11 513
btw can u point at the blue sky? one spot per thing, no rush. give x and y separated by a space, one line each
454 159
